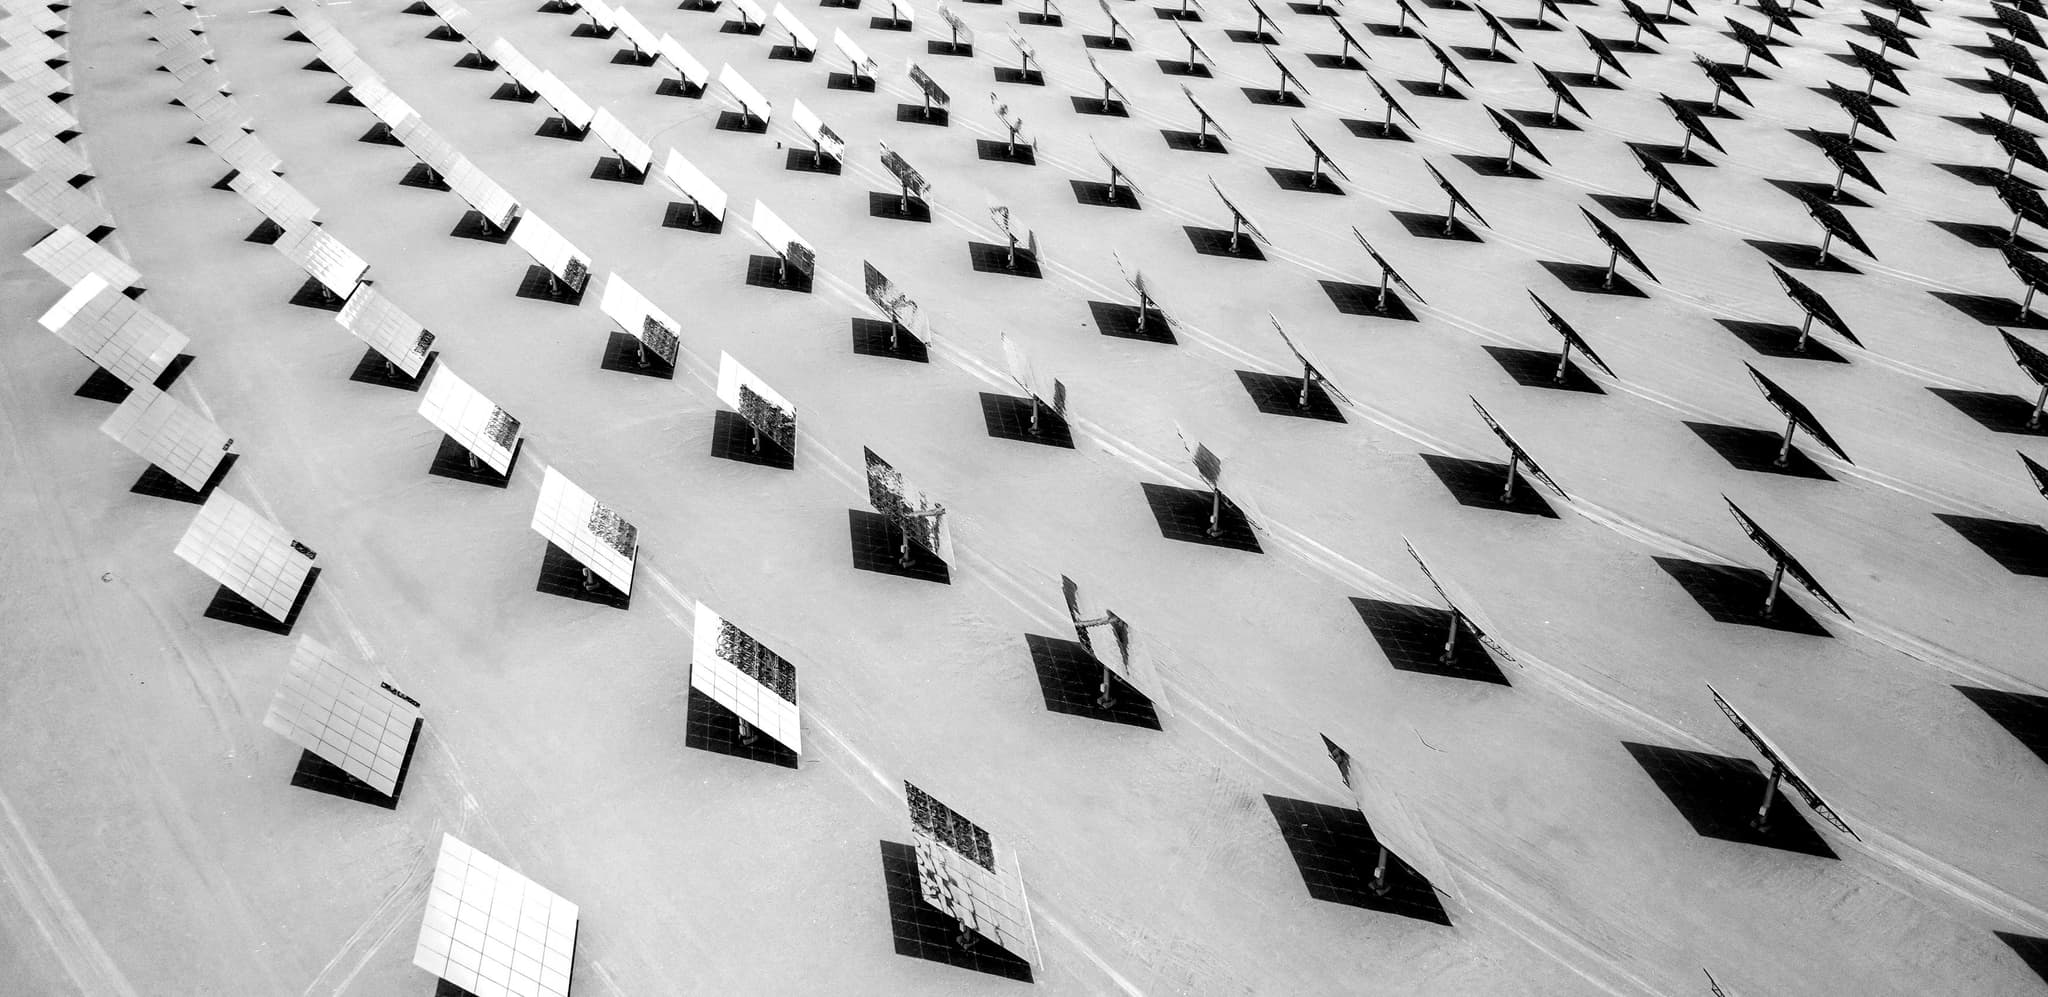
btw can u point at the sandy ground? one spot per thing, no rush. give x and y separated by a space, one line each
150 842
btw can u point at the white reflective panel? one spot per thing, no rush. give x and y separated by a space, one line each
325 36
452 14
249 554
807 121
171 15
348 65
960 871
424 142
751 11
238 148
862 65
39 151
69 256
378 321
20 31
686 65
203 96
564 100
23 64
694 184
335 707
483 429
519 67
277 200
323 257
640 318
24 104
38 14
614 133
800 37
642 38
184 56
1393 824
552 251
600 13
750 99
492 931
1120 645
755 683
783 239
123 338
597 537
468 181
169 434
758 404
890 494
385 103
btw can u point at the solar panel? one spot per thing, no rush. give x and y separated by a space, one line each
27 67
323 34
470 183
1195 48
686 65
1208 120
1394 825
914 183
50 197
69 256
24 104
525 75
923 521
1601 52
470 419
186 56
1796 412
1781 764
1238 217
826 141
349 66
278 200
1051 393
238 148
960 872
934 94
1516 454
1616 243
755 683
324 258
752 104
250 555
378 321
641 319
385 103
783 240
598 538
694 184
771 415
1309 370
1387 271
1117 176
2038 473
893 301
1457 199
1810 302
1443 59
1660 175
858 57
1129 654
600 14
572 108
800 37
1517 138
639 35
632 149
1458 615
1322 158
960 31
1572 339
122 337
552 251
1783 559
750 12
1109 87
337 709
169 434
493 932
202 95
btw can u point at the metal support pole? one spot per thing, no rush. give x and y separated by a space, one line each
1386 279
903 201
1113 174
1507 492
1777 585
1556 106
2040 404
1805 328
1785 446
1450 641
1144 305
1443 76
473 463
1103 698
1215 512
1685 148
1762 820
1379 885
1191 56
755 444
1011 238
1510 167
2026 301
1451 218
1613 259
1202 136
643 353
1564 362
1236 221
1307 379
747 733
2013 232
1034 415
589 581
1840 175
1827 239
782 269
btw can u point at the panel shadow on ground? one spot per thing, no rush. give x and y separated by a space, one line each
1183 514
714 728
1718 795
922 931
1279 394
2023 715
2021 548
1008 417
1070 679
878 547
1757 450
321 776
1734 594
1996 412
1413 638
1335 850
1479 483
561 574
